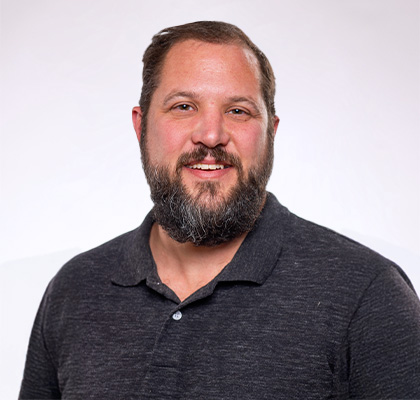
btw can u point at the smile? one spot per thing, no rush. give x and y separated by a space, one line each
207 166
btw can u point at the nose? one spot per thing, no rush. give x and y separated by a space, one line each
210 130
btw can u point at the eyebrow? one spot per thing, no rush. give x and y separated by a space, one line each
239 99
174 94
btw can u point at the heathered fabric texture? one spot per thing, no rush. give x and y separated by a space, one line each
300 313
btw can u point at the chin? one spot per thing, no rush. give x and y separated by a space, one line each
210 194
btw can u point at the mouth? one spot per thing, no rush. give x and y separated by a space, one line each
208 163
207 167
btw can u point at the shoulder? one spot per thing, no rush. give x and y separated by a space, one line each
318 260
91 270
333 251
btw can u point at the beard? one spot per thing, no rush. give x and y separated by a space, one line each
206 219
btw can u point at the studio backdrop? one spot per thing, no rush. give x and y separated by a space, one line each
347 151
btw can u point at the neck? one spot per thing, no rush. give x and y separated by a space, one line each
184 267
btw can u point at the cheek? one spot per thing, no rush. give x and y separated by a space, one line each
166 141
251 145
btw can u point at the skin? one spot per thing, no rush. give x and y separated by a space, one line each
209 94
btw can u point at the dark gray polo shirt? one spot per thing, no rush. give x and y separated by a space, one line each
299 313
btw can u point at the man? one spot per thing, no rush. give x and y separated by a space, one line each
221 293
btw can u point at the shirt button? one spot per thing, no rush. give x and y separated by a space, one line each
177 316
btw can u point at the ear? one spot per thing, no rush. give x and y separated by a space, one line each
136 115
276 124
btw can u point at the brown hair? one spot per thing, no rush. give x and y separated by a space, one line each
206 31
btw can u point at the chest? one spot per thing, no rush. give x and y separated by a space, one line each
147 347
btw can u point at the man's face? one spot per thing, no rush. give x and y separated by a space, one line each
207 125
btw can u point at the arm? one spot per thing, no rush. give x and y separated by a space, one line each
40 375
384 340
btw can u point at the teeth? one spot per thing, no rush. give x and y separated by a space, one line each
207 166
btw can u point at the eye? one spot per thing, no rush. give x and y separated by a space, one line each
183 110
183 107
239 113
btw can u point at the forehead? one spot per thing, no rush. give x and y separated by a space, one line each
197 61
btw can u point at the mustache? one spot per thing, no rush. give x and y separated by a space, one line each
201 152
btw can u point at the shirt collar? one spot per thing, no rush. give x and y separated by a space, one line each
136 257
261 249
254 261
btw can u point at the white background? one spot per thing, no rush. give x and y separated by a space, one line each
347 148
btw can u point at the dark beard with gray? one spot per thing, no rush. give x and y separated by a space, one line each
187 219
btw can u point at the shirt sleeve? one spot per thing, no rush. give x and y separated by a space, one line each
40 375
384 340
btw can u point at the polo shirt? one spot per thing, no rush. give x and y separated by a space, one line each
300 312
